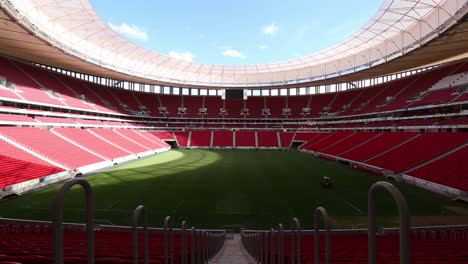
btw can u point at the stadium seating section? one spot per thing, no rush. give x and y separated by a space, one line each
29 153
50 141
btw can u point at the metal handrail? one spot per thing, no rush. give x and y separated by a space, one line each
295 235
199 248
183 231
404 220
203 243
192 248
57 219
265 247
272 245
168 241
136 215
280 244
321 212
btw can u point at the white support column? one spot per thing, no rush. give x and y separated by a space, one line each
234 139
256 139
211 138
189 138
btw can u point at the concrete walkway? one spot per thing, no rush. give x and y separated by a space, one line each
233 253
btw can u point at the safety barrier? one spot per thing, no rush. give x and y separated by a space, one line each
204 244
261 244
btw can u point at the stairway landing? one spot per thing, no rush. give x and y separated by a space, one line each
233 253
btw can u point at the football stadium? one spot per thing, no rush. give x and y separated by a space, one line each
177 132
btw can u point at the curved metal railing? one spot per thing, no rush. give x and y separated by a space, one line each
321 212
57 219
295 241
183 230
168 241
404 220
140 210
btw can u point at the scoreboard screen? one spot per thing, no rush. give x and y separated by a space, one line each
236 94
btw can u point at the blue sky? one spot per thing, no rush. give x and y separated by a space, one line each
236 32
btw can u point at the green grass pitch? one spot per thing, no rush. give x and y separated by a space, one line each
254 189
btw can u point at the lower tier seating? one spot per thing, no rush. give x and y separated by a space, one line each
353 248
223 138
377 145
18 166
48 144
449 170
267 139
182 138
245 139
200 138
49 151
420 149
36 247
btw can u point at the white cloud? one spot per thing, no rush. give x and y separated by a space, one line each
234 53
270 30
186 56
262 47
130 30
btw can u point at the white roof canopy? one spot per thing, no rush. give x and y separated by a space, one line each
398 27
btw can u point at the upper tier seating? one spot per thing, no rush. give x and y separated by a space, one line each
18 165
268 139
56 120
26 88
192 105
213 104
420 149
48 80
16 118
38 85
48 144
454 121
417 122
449 170
437 97
88 96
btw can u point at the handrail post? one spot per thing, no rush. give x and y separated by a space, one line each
184 242
404 220
280 244
136 215
295 234
199 260
265 247
272 246
57 219
321 212
203 246
192 248
168 241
